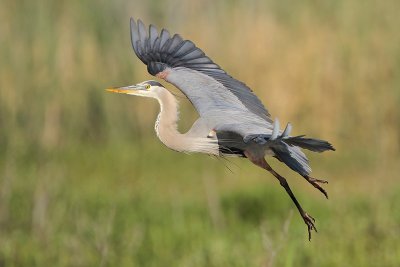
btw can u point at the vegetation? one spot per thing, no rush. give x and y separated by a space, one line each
85 182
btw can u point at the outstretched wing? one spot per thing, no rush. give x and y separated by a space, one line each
207 86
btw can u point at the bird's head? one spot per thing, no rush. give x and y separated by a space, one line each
147 88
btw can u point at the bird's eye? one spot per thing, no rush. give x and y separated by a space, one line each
147 86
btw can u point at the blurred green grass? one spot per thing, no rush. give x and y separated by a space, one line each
84 181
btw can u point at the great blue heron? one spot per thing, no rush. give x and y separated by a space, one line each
232 122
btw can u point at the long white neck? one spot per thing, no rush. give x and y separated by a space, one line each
167 120
167 129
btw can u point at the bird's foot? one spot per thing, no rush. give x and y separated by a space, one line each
315 182
309 220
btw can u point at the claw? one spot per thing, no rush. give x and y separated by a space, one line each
315 182
309 220
319 181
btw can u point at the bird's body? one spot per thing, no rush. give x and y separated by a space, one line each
232 120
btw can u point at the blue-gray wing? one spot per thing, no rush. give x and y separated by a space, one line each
205 84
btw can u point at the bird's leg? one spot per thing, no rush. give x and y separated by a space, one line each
308 219
315 182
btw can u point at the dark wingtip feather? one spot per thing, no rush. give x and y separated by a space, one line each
142 32
153 34
133 33
164 36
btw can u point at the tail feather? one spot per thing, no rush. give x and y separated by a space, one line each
293 157
287 149
312 144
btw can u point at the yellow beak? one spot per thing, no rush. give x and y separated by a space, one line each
119 90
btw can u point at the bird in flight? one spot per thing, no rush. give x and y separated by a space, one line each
232 120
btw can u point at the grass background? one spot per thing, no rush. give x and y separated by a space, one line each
85 182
